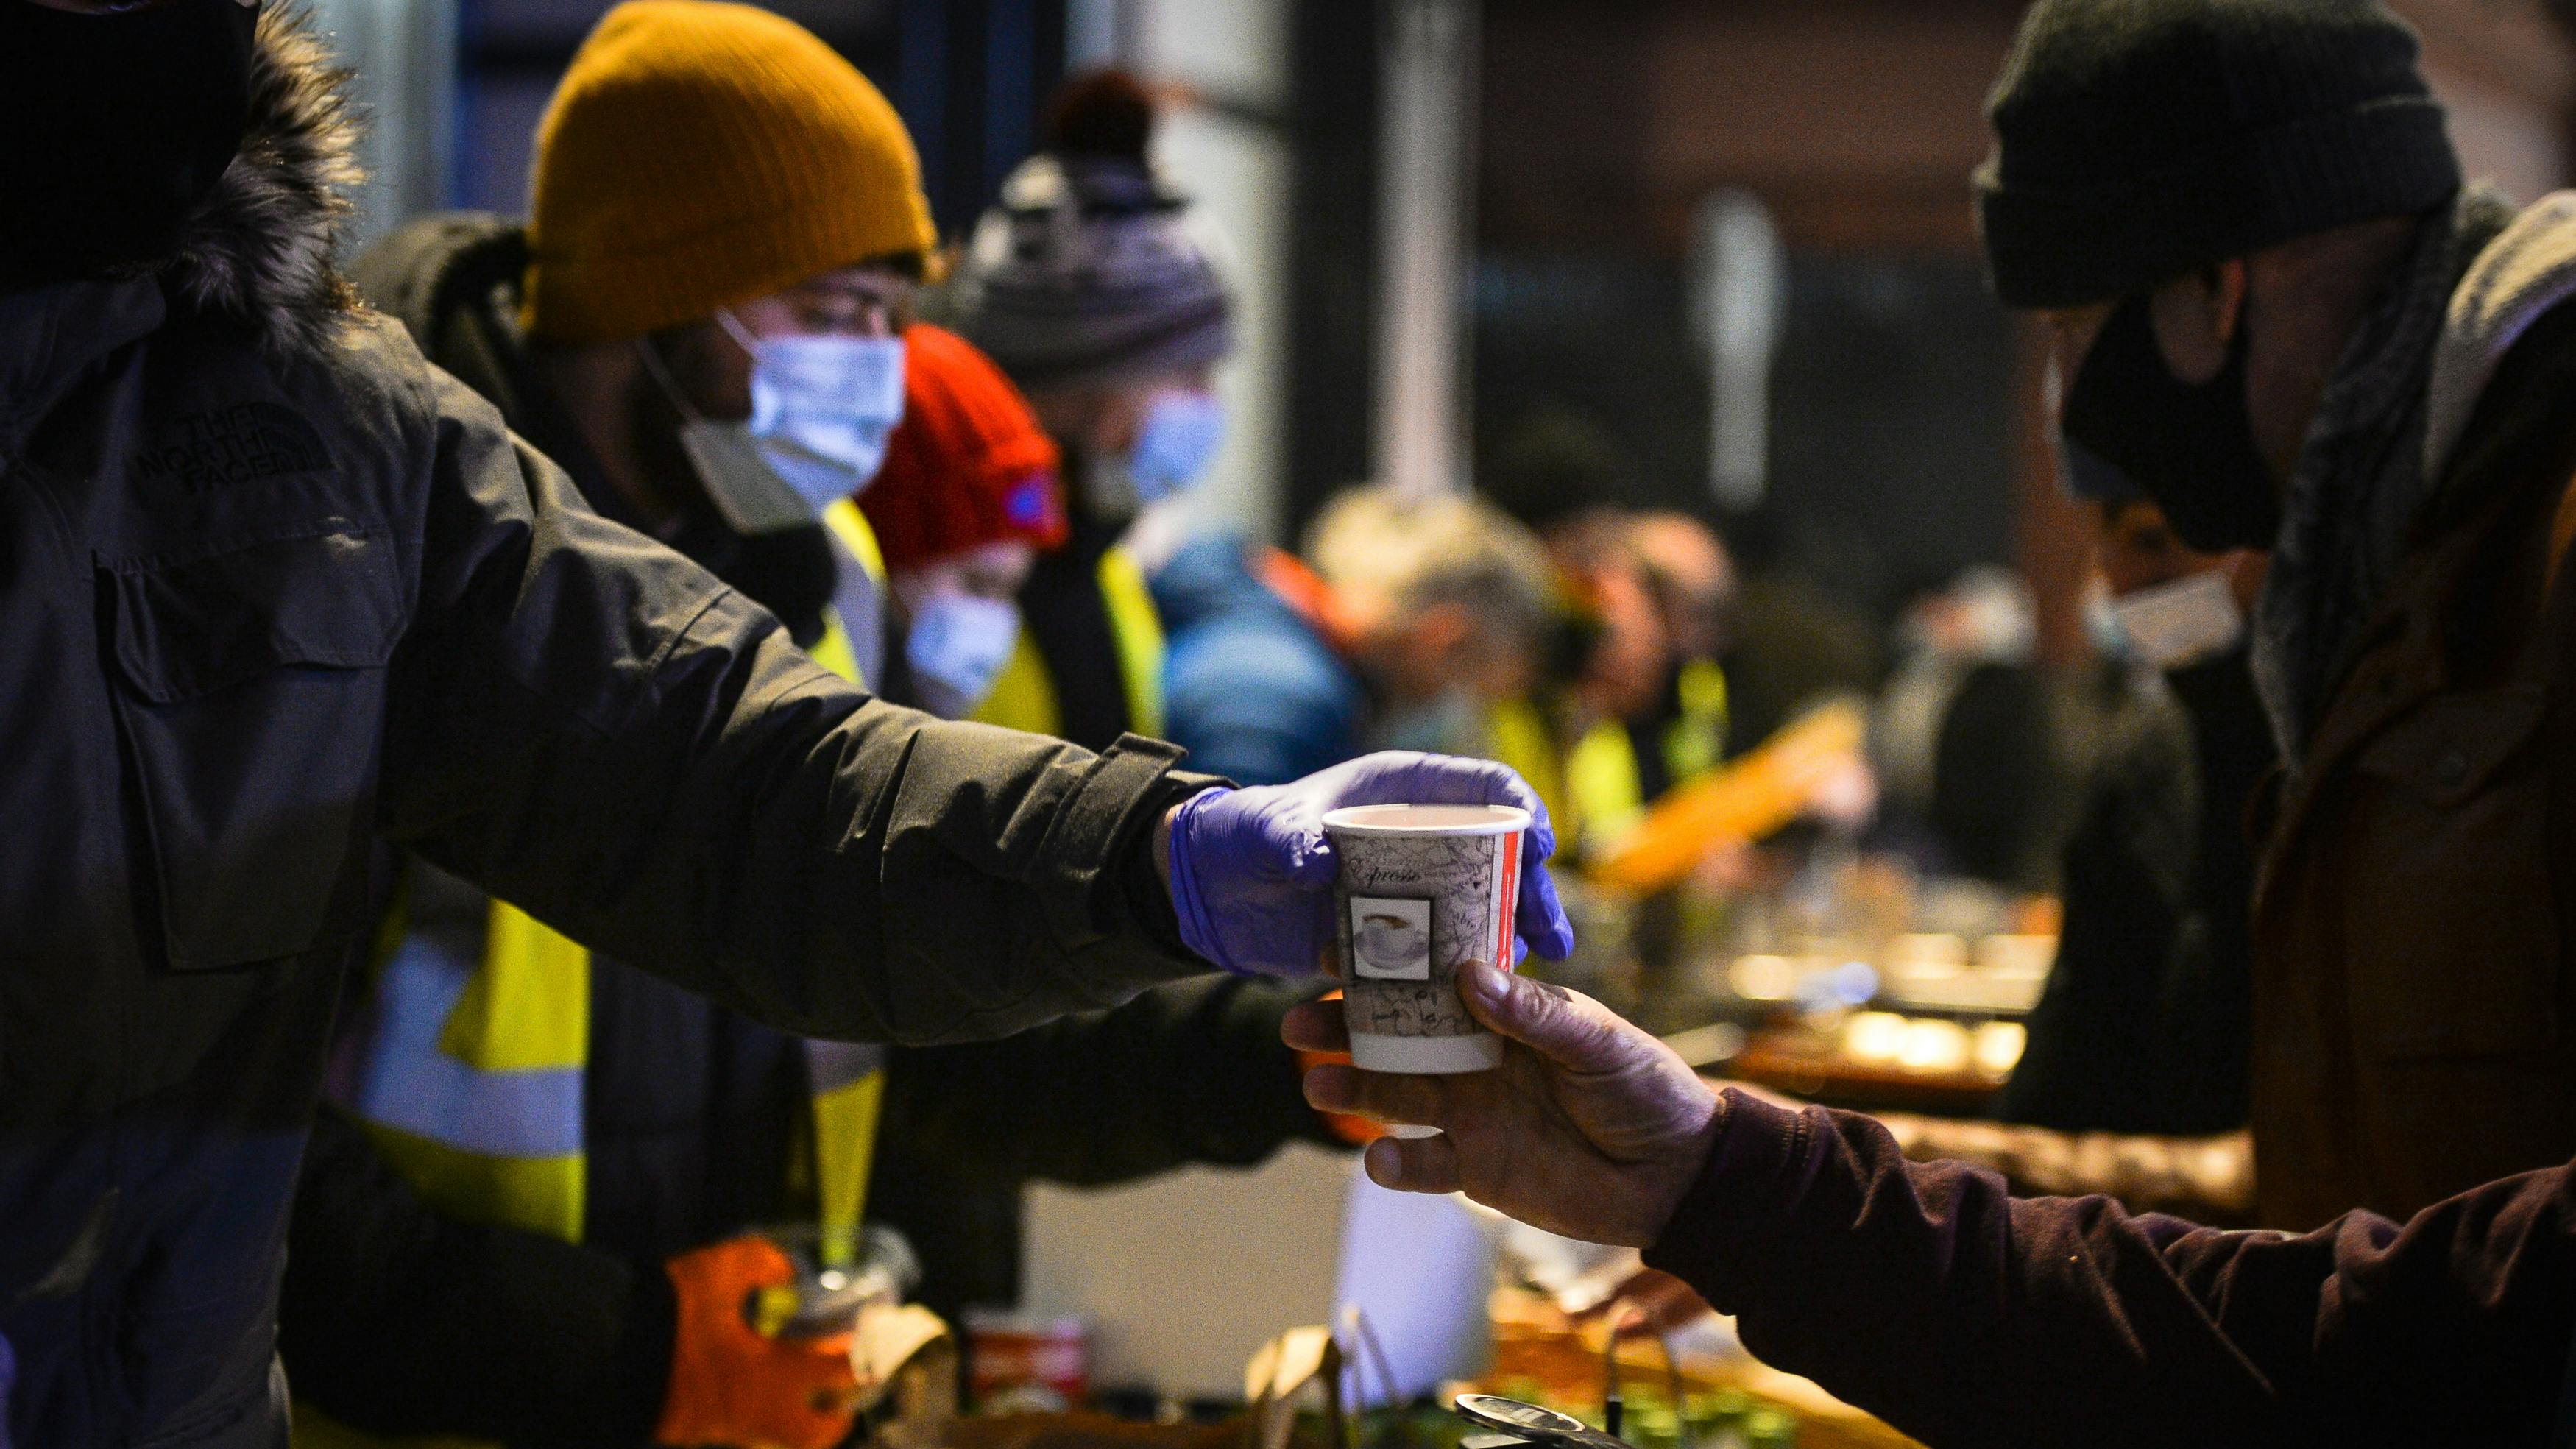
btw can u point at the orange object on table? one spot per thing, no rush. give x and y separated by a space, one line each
730 1384
1747 800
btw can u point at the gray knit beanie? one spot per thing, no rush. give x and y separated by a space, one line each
2139 140
1086 270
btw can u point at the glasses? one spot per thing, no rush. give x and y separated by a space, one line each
876 307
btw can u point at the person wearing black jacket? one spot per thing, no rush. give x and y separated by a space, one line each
275 593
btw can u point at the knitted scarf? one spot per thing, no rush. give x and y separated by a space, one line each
2361 481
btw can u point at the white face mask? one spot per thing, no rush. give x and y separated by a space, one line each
1177 439
958 646
823 407
2184 621
801 451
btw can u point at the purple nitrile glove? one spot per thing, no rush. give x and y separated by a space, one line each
1252 870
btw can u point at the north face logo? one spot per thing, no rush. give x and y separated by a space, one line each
234 445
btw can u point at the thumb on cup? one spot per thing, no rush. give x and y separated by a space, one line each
1566 1027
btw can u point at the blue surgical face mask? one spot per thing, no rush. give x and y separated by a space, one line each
1174 446
823 407
957 648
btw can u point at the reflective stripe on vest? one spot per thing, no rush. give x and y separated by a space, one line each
1139 632
1024 695
472 1082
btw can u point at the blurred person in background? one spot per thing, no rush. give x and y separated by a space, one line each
1256 687
1965 738
463 1266
1441 604
1666 592
1693 585
1680 736
967 502
1607 726
1618 680
2146 1023
1089 287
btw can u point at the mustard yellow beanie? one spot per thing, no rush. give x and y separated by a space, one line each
700 154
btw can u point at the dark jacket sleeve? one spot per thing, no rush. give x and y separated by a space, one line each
1927 1295
590 726
398 1319
1193 1072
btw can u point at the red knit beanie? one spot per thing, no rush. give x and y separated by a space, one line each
968 465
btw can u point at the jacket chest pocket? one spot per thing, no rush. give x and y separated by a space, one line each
2451 932
250 694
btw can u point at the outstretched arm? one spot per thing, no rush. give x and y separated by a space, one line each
1930 1296
590 726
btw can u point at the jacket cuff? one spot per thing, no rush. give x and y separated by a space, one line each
1120 796
1148 901
1746 1183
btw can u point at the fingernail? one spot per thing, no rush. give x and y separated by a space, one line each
1481 981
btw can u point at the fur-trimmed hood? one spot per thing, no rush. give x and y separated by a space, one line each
260 249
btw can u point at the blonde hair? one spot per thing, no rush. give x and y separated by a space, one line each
1414 552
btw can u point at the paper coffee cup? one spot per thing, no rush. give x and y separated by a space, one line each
1422 889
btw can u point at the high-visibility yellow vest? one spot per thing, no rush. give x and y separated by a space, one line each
855 623
1595 791
472 1083
1024 695
1517 734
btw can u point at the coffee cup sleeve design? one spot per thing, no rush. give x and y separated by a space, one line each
1402 980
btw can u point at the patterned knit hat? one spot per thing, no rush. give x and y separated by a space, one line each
968 465
1086 271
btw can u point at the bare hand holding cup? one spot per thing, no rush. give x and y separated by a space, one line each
1590 1128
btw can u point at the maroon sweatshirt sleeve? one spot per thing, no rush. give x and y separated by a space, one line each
1926 1294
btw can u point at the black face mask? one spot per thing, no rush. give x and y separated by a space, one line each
116 126
2190 446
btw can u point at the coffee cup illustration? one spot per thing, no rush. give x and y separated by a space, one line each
1393 942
